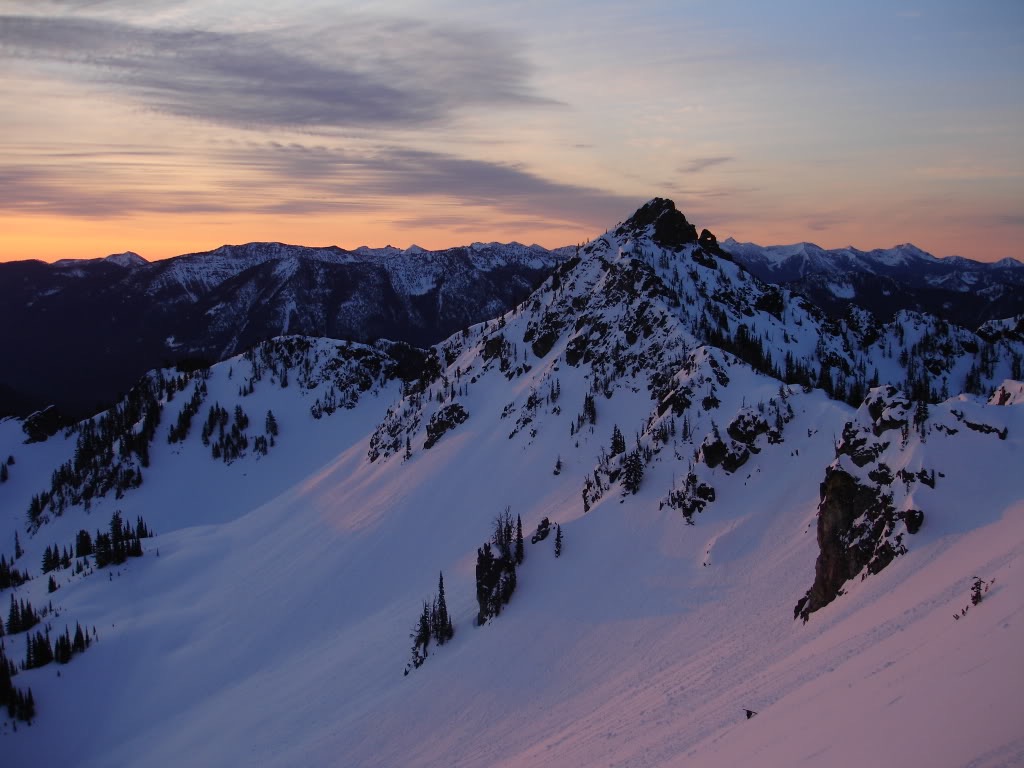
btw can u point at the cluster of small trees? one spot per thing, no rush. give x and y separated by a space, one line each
110 452
495 582
587 416
21 617
40 651
20 704
263 443
496 568
9 575
180 429
54 558
120 543
111 548
229 444
434 623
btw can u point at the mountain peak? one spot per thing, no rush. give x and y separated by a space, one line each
670 227
126 259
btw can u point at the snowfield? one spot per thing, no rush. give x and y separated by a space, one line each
278 634
269 621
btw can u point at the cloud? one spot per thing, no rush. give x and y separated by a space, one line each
295 179
364 74
824 223
394 173
703 163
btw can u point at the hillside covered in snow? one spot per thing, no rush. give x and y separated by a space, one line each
107 321
729 501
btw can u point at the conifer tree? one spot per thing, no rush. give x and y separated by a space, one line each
558 540
421 636
443 630
13 618
3 473
520 552
633 472
618 441
484 567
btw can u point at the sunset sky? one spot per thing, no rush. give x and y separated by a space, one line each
176 126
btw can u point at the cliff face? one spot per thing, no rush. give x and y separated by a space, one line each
853 520
860 528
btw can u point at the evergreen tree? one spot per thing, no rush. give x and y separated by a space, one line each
558 540
3 473
443 629
633 472
618 441
484 568
13 618
520 553
51 586
421 636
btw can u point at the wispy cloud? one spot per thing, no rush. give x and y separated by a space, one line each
365 73
703 163
305 180
395 173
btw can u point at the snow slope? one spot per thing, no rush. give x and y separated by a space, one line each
273 626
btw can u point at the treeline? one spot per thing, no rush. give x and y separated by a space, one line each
113 547
110 452
21 705
39 651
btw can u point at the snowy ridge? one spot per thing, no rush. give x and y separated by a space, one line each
659 404
887 280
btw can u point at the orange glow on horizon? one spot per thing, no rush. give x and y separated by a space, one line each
161 236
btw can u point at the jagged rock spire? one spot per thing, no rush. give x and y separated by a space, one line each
671 229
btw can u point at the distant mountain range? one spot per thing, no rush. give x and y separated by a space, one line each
966 292
87 329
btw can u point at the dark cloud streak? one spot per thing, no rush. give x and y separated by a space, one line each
389 174
294 179
703 163
365 74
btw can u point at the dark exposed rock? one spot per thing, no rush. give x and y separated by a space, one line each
913 519
731 455
708 240
671 229
746 427
985 429
444 421
855 531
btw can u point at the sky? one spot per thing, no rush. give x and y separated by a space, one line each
177 126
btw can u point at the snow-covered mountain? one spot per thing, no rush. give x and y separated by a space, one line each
886 281
89 329
685 429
